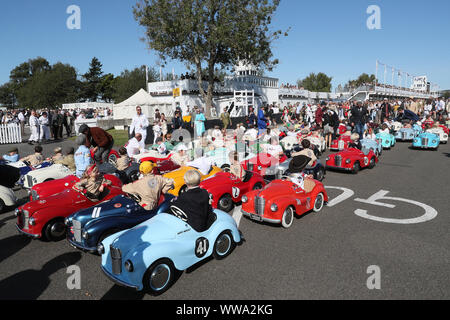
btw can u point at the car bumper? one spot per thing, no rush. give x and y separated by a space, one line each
31 235
328 167
117 281
79 246
259 218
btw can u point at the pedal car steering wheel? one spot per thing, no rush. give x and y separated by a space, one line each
134 197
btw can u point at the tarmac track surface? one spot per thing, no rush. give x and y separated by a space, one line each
323 255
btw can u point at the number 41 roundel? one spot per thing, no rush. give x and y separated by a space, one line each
201 247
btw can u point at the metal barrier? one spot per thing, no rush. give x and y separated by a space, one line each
10 133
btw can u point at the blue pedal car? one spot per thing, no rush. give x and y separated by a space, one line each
387 140
88 227
373 145
426 140
148 256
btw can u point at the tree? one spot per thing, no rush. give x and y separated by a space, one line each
93 78
129 82
316 82
7 95
209 33
107 88
361 80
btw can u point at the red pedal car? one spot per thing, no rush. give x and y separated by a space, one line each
44 218
226 189
340 144
262 162
49 188
351 159
281 200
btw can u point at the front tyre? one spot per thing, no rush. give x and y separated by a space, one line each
223 246
356 167
55 230
225 203
288 217
159 277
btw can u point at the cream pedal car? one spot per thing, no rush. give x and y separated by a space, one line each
53 172
7 198
441 133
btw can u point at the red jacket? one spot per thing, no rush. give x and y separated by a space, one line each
98 137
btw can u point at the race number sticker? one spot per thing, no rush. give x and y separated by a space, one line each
236 192
201 247
96 212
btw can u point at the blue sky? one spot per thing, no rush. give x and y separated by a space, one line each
326 36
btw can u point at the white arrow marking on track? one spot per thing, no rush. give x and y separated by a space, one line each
347 193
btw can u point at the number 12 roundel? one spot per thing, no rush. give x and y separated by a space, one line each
201 247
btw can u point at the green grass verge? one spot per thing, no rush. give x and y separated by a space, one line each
120 137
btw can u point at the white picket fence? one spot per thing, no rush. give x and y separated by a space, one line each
10 133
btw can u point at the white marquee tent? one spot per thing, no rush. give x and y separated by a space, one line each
127 108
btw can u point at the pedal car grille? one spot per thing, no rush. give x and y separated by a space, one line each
116 260
338 160
24 217
425 141
34 195
76 230
29 181
260 203
404 135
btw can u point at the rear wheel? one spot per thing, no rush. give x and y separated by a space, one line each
225 203
223 246
288 217
258 186
55 230
318 204
159 277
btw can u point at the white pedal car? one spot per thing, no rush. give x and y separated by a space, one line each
54 172
441 133
7 198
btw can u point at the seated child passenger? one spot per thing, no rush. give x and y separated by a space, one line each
92 183
307 151
124 161
355 143
12 156
296 175
236 168
150 187
36 158
194 205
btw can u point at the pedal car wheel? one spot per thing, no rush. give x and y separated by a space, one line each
318 204
55 230
288 217
320 175
223 246
159 277
372 163
356 167
225 203
258 186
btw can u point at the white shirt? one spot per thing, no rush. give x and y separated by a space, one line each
21 117
274 150
43 121
34 122
203 164
135 147
252 133
139 124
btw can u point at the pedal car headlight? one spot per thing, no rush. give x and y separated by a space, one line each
348 161
274 208
328 158
129 266
31 221
259 168
434 141
85 235
244 199
16 212
100 249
